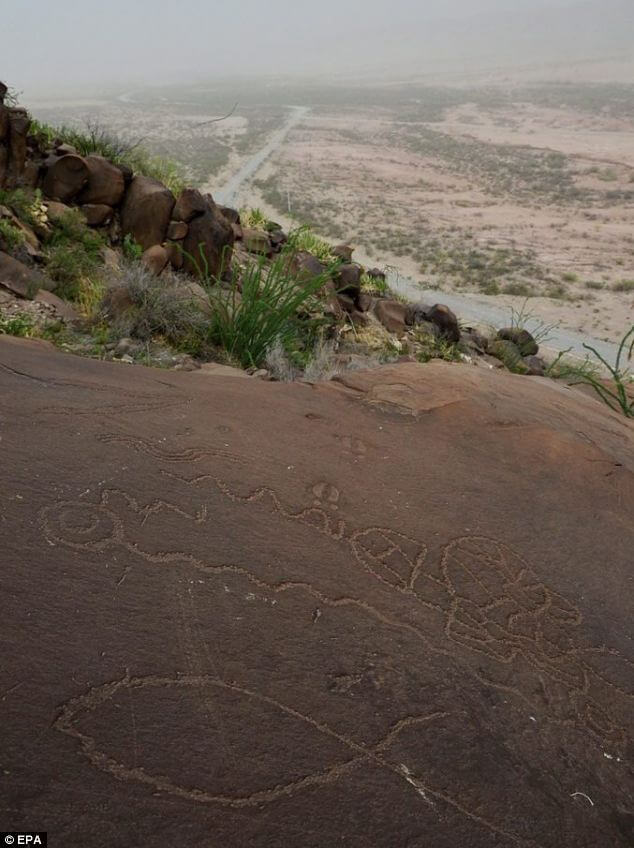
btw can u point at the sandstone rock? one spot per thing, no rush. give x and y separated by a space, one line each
177 230
190 204
193 293
211 234
304 266
146 211
348 279
65 177
155 259
522 338
118 302
445 320
174 254
31 174
216 369
63 309
365 302
55 210
535 365
257 241
105 182
392 314
346 302
232 215
19 122
97 214
20 279
127 172
508 353
64 149
343 252
278 239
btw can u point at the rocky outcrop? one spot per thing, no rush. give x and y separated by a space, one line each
294 614
20 278
65 177
146 211
105 184
208 244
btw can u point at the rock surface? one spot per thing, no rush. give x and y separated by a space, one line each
374 612
146 211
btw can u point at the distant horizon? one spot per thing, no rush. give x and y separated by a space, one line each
103 49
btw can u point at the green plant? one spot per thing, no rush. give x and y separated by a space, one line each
623 286
304 239
73 252
613 393
132 250
19 325
570 277
374 285
523 319
94 138
11 237
253 219
247 323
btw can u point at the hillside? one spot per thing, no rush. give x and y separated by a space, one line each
289 561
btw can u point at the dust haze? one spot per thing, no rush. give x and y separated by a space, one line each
154 41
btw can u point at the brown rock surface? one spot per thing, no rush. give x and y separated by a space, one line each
20 279
65 177
386 612
190 203
146 210
212 235
392 314
97 214
155 259
105 182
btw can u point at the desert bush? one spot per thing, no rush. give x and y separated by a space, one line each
17 325
162 307
261 308
617 393
623 286
303 238
73 251
94 138
253 219
11 237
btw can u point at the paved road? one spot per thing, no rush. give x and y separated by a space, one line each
229 193
478 309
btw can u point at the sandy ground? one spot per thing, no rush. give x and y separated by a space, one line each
356 178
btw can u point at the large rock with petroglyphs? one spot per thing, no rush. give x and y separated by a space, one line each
391 611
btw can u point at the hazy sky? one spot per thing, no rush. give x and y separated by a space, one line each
144 41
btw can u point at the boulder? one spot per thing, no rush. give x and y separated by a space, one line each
19 122
343 252
65 177
257 241
348 279
155 259
190 204
535 364
445 320
97 214
346 302
392 314
105 182
509 354
62 309
232 215
365 302
174 255
146 211
64 149
522 338
278 240
20 279
192 292
118 302
56 210
177 230
211 235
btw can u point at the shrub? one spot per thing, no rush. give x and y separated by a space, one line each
11 237
614 393
73 252
249 322
19 325
96 139
303 238
253 219
623 286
